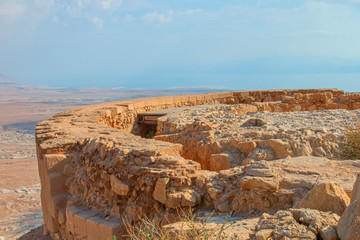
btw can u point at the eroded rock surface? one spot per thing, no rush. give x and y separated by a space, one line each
229 137
94 170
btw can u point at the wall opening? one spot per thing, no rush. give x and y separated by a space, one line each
147 123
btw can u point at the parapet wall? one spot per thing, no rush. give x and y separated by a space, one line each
94 170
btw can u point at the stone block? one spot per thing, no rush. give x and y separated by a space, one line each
159 193
93 227
57 184
245 147
325 197
219 162
119 187
70 221
110 228
55 203
80 222
54 162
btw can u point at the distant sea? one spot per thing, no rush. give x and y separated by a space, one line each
347 82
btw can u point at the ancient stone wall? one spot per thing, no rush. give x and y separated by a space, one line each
94 170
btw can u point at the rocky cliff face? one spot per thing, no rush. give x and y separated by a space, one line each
236 157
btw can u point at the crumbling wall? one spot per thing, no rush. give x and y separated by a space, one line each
93 170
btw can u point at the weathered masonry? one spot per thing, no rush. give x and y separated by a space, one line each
95 168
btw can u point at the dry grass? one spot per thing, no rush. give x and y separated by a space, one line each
145 229
351 148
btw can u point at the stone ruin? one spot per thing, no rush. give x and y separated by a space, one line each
239 154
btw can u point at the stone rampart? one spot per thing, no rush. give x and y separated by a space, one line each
95 170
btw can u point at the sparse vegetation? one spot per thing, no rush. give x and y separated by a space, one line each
191 229
351 148
150 134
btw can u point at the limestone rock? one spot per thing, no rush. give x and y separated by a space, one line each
159 193
323 223
219 162
119 187
281 225
355 195
348 227
328 233
246 147
326 197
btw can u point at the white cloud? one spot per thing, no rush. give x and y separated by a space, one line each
156 17
11 9
105 4
189 12
110 4
45 3
98 22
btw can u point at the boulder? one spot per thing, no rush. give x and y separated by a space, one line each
326 197
355 194
323 223
281 225
348 227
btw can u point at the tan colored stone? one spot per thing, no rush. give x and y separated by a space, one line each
53 160
97 127
279 148
328 233
190 198
70 221
263 234
119 187
326 197
219 162
247 161
246 147
159 193
93 227
348 227
355 194
111 228
80 222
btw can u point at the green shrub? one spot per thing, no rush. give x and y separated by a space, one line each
351 148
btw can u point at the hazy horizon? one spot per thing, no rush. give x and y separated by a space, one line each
235 44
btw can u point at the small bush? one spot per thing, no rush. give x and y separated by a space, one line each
150 134
145 229
351 148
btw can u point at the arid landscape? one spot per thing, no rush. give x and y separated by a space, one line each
21 108
271 165
179 120
245 165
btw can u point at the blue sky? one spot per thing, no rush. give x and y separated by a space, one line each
233 44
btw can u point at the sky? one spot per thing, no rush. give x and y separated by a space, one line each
232 44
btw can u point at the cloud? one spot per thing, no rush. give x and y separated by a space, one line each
169 15
45 3
105 4
98 22
156 17
189 12
11 9
110 4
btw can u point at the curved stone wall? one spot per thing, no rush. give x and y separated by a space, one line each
94 170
